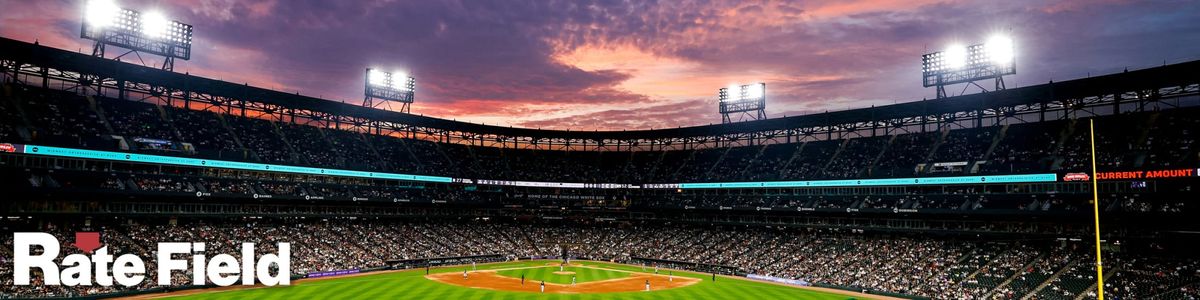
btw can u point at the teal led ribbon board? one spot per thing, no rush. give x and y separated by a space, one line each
223 164
208 163
1025 178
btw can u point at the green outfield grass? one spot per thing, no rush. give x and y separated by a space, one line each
547 273
413 285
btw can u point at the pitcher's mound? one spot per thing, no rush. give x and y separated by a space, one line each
564 273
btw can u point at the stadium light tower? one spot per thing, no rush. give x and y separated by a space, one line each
389 87
748 101
967 64
152 32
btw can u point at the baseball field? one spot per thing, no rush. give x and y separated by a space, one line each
523 280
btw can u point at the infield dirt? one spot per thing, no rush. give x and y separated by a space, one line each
488 279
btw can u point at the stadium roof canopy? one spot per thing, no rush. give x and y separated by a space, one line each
1064 95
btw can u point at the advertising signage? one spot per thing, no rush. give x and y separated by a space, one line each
1147 174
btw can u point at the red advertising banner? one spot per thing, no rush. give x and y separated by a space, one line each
1174 173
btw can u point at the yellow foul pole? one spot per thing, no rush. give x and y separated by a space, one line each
1096 212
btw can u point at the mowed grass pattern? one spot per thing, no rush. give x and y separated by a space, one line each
413 285
547 273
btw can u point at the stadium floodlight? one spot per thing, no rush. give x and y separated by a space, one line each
401 82
376 77
755 90
966 64
749 101
106 23
389 86
956 57
730 93
101 13
155 25
1000 49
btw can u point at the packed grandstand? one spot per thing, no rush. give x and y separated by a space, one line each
986 198
912 264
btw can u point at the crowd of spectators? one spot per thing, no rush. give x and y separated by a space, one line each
1165 200
942 268
8 130
1035 273
138 120
1160 277
260 138
206 132
1128 141
54 117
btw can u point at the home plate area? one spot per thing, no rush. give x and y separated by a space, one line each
557 278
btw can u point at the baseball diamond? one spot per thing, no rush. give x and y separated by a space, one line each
497 281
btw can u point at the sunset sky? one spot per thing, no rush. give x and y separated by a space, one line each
608 65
